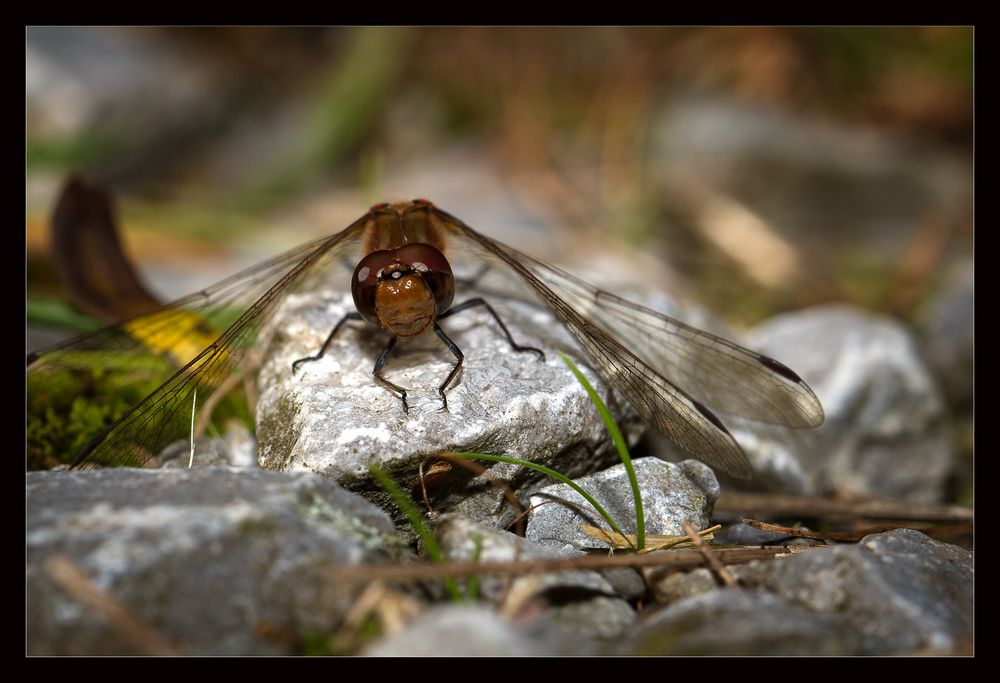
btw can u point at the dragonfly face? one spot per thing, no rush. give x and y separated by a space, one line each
674 375
403 290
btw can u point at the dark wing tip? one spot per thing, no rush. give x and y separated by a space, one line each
809 407
735 462
779 368
710 416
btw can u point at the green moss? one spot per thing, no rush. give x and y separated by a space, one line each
316 643
75 396
70 404
276 437
368 537
261 527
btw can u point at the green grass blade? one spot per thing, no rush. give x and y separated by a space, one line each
416 520
549 472
619 441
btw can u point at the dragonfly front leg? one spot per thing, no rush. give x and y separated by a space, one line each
377 372
326 344
453 347
466 305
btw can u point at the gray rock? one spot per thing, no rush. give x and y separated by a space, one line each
737 621
885 433
899 591
464 631
217 561
79 78
672 493
626 582
332 417
948 334
580 603
669 587
777 456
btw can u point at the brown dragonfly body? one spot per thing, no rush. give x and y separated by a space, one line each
404 285
404 282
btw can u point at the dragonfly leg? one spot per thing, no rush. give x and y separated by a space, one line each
465 305
453 347
377 372
336 328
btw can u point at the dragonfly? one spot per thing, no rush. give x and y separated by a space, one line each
673 374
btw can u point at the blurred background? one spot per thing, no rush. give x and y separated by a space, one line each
752 170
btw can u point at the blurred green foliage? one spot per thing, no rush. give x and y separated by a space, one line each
525 86
352 90
82 150
59 314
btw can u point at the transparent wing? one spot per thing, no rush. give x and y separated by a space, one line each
184 334
636 348
704 369
713 370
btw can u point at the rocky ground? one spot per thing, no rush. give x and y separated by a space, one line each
228 558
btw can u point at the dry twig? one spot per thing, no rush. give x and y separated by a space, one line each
128 626
771 505
653 542
724 575
675 560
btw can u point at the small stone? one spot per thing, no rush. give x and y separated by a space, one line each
900 592
464 631
885 433
581 603
744 534
672 493
741 622
237 449
949 342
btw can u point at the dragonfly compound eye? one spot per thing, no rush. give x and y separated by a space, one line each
364 283
434 269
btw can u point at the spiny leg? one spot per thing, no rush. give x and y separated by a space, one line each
453 347
480 302
377 372
336 328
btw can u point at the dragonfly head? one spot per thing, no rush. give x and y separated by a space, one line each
403 290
